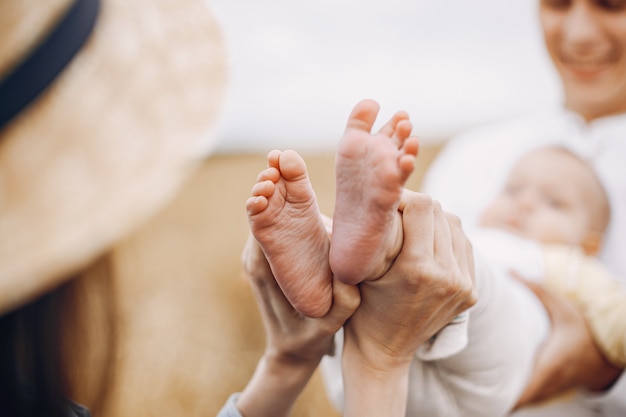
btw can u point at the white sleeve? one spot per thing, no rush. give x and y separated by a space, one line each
506 328
230 408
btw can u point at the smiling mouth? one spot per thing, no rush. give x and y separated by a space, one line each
586 67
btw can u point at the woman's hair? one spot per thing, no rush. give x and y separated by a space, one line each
60 347
30 371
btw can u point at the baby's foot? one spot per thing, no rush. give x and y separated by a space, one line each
371 172
286 221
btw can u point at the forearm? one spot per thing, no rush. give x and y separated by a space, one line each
274 387
373 391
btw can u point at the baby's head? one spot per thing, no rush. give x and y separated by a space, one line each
552 196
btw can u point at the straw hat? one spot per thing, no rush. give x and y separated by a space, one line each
100 146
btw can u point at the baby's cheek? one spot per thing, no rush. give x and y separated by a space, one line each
559 231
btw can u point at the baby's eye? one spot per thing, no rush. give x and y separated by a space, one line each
555 203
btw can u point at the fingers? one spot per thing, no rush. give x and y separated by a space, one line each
438 251
253 260
453 260
418 224
442 243
271 301
346 299
274 306
464 255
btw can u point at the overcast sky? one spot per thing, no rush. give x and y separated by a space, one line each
298 66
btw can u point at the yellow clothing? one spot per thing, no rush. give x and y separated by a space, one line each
602 299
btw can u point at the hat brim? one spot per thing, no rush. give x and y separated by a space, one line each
109 142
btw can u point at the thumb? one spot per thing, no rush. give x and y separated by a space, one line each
346 299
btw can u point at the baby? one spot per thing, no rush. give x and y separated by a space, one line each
552 196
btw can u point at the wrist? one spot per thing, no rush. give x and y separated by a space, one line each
377 366
371 388
374 355
276 384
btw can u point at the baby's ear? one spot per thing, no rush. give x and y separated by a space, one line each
592 243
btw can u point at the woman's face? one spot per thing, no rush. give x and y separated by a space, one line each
586 40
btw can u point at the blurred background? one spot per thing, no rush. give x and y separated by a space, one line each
298 67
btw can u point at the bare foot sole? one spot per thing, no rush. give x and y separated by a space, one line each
285 220
371 172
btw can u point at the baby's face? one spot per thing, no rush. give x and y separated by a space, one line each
550 196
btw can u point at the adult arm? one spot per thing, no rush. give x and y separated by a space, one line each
597 294
429 284
295 343
570 358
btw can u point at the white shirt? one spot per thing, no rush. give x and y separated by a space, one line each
472 168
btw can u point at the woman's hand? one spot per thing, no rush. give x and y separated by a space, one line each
569 359
430 283
291 335
295 343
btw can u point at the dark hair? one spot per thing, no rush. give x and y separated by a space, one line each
49 346
31 383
